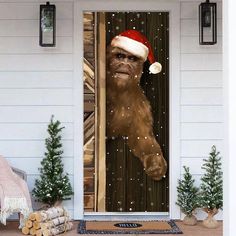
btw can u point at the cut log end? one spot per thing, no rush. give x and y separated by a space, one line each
46 232
32 216
25 230
36 225
38 217
29 224
39 233
32 231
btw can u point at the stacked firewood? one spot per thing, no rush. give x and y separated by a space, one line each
49 222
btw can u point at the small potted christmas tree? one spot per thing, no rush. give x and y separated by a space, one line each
211 188
53 186
187 197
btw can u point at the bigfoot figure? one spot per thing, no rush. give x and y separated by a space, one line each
128 110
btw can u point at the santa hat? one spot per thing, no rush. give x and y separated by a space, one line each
137 44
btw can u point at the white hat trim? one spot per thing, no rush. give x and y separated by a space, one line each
130 45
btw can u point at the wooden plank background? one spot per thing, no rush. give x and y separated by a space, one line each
89 108
128 187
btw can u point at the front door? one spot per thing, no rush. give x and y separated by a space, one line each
123 185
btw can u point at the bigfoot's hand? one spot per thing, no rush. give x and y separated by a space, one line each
155 166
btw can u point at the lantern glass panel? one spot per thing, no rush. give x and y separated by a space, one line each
207 16
47 26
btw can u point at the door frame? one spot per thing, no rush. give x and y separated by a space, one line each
174 98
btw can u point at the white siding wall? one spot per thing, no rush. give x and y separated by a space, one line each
35 82
201 105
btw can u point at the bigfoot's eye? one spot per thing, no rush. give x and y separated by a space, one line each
132 58
120 56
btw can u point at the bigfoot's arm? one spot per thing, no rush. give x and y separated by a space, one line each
143 144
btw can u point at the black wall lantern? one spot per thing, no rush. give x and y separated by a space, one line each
47 25
207 23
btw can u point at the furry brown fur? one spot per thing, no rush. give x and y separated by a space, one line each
129 112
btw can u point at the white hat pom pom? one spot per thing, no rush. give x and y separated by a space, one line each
155 68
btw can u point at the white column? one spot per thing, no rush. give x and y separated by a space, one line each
229 35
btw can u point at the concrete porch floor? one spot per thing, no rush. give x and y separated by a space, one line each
12 230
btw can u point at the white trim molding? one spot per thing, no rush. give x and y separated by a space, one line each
78 112
229 82
174 150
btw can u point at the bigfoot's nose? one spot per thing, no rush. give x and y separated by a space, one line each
125 68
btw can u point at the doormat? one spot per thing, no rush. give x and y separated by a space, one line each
128 227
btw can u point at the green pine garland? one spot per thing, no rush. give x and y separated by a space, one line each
187 193
211 188
53 185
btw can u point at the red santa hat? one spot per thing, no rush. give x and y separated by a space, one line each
137 44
